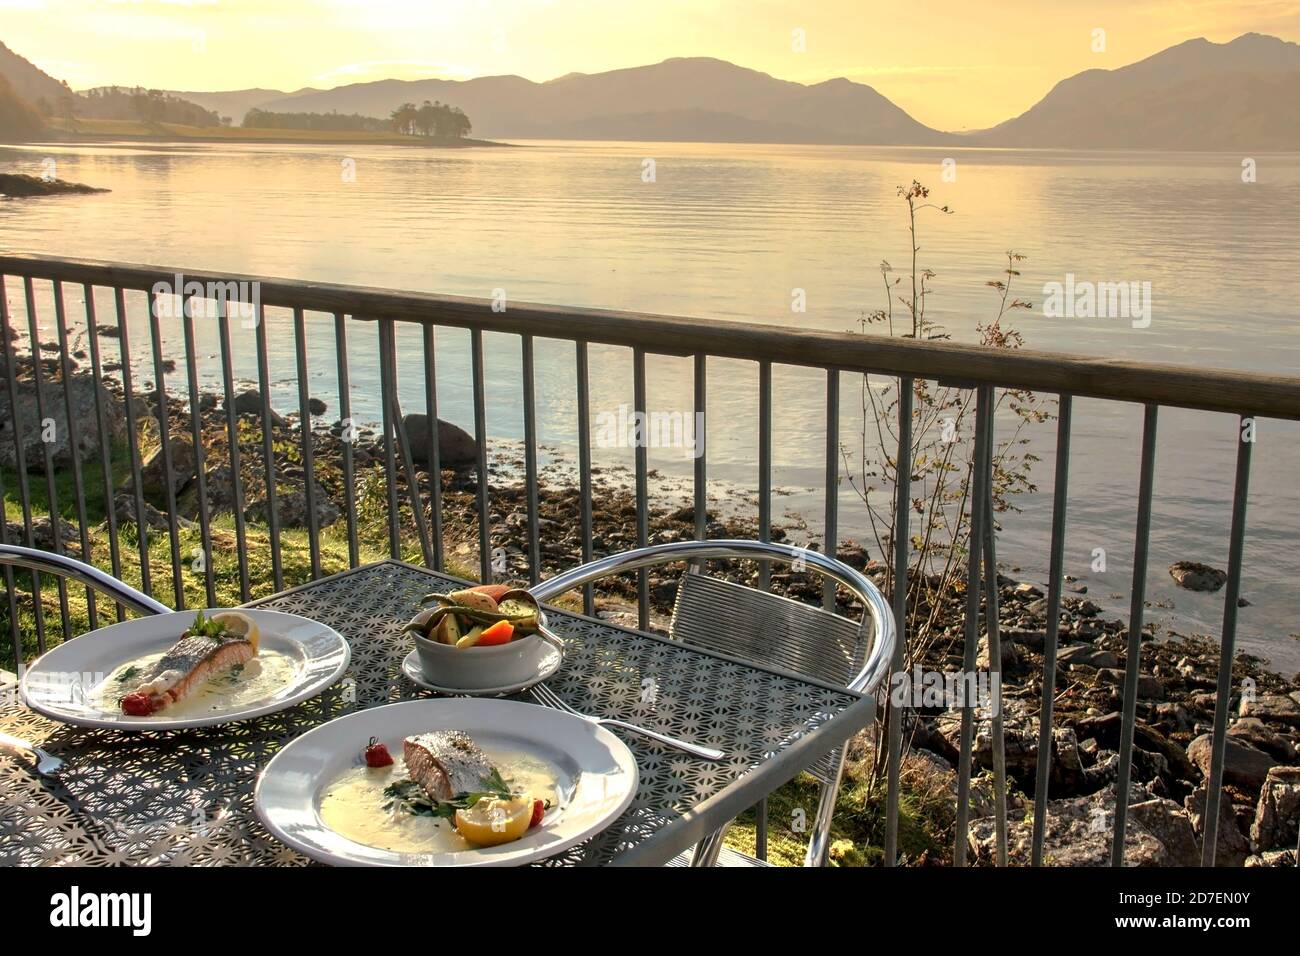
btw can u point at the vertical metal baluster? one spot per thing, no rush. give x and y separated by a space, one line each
1136 609
412 484
268 449
764 534
1227 650
902 549
1052 626
308 449
105 442
641 453
348 434
387 386
764 469
830 545
11 587
994 638
132 439
434 463
200 460
530 464
164 436
74 445
701 447
480 435
15 635
584 467
56 530
232 439
971 638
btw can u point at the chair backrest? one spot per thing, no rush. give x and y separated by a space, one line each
767 629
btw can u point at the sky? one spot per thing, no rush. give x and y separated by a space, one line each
952 64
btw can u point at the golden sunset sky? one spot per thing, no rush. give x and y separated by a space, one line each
952 64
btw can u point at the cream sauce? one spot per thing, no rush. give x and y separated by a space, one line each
353 805
259 679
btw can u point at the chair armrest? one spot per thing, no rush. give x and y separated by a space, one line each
878 662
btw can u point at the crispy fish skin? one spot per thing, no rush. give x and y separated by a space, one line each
188 665
445 763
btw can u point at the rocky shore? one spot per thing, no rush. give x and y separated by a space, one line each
1177 687
22 186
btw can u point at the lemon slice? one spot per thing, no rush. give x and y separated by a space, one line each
240 625
493 821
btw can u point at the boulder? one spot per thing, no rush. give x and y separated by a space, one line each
184 464
456 447
249 402
1274 707
1243 765
1077 832
43 535
82 392
1195 576
1253 731
1148 687
1278 812
291 508
1088 655
1233 848
124 510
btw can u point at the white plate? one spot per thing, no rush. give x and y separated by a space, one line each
595 772
549 664
63 683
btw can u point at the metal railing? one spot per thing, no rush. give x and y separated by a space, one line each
984 370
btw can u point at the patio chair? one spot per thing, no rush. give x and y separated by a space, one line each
60 565
769 630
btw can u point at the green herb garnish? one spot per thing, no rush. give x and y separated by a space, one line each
206 627
127 674
411 797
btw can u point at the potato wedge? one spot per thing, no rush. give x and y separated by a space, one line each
478 600
449 630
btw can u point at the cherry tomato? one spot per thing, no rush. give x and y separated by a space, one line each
377 754
137 705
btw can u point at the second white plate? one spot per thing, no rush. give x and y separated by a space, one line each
595 774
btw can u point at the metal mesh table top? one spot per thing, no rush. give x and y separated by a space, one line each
186 797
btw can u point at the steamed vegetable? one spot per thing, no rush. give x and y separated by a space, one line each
473 617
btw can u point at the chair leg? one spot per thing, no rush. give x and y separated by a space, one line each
760 830
707 850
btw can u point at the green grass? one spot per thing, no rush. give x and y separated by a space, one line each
295 552
926 812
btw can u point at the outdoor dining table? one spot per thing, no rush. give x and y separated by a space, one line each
186 797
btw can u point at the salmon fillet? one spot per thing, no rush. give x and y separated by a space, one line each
189 664
446 763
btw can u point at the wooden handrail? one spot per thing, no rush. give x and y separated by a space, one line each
1179 386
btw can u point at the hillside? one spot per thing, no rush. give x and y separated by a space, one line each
19 121
1240 95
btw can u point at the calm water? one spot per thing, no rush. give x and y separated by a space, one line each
726 233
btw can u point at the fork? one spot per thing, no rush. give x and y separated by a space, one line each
549 698
47 765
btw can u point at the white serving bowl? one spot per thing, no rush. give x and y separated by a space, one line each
479 668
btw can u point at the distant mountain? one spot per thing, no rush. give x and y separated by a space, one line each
688 99
236 103
1241 95
29 81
